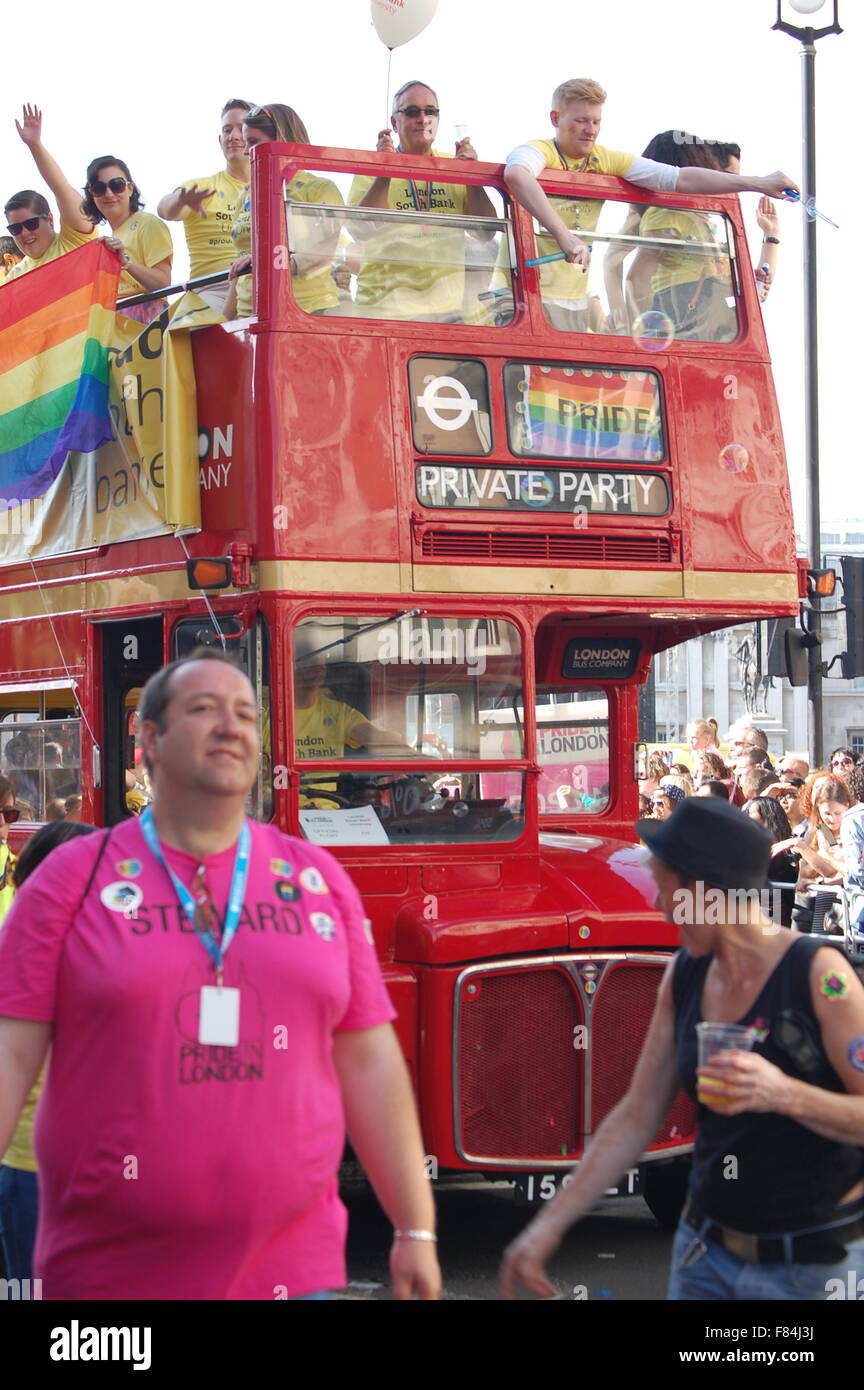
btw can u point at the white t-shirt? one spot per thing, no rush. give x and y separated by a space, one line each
647 173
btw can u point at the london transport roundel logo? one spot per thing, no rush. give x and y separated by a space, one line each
459 406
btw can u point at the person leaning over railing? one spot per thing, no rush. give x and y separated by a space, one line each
311 258
577 109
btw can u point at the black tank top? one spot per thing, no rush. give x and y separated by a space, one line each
764 1173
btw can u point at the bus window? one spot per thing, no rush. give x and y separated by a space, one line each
572 750
42 759
656 273
416 691
409 262
611 414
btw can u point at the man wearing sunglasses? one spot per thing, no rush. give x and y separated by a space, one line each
407 273
207 206
28 217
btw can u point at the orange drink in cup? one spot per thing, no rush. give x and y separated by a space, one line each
714 1038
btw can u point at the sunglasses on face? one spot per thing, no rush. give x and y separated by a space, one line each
412 112
99 188
29 224
10 814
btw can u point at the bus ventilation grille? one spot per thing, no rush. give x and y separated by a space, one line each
546 547
521 1076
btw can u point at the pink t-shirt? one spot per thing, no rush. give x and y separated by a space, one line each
169 1169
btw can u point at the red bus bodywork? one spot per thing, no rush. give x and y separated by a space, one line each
307 478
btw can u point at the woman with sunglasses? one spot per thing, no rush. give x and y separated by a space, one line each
842 761
29 219
142 241
315 289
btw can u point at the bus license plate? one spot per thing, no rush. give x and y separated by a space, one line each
540 1187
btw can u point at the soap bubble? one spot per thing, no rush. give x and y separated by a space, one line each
653 330
734 458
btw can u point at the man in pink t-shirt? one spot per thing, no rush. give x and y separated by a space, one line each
216 1014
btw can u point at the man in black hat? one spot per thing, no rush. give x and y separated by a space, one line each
783 1229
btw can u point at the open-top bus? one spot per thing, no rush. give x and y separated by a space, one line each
478 529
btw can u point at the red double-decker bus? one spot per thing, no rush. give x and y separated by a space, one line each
445 538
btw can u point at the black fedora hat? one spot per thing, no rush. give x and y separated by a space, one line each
710 841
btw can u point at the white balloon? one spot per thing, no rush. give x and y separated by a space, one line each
398 21
806 6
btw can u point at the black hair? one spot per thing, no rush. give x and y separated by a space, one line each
88 207
775 818
725 152
27 198
682 149
9 247
717 788
40 845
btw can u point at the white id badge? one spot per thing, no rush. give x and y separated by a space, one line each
219 1016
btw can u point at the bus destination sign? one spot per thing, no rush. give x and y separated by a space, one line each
526 489
600 658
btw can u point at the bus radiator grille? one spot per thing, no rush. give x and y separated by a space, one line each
619 1022
519 1075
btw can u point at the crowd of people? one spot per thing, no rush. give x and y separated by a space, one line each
815 815
398 274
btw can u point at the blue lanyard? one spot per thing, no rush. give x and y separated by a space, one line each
217 949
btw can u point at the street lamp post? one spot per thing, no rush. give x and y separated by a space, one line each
807 35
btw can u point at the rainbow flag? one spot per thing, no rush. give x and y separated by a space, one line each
590 413
55 326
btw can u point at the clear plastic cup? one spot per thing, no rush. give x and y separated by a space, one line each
714 1038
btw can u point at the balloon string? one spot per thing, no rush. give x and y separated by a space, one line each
389 62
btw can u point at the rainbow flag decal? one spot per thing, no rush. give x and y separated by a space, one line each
56 325
589 413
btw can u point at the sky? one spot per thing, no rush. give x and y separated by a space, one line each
148 85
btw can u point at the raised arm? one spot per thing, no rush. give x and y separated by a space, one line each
177 206
382 1125
23 1048
68 198
527 191
621 1139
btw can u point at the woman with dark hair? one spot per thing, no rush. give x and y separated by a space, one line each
19 1197
142 241
314 287
688 287
842 761
784 864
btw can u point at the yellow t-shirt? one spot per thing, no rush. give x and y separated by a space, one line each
314 291
148 241
209 240
20 1151
67 239
677 267
325 727
409 272
558 280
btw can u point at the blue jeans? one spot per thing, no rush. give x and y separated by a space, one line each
19 1208
718 1275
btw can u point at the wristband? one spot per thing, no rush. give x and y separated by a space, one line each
771 240
414 1235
